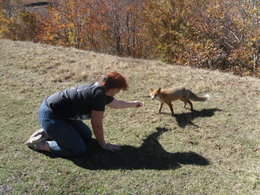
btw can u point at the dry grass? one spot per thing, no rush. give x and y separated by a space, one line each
214 150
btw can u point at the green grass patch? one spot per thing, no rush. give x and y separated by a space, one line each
213 150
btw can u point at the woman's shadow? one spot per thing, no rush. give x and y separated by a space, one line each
150 155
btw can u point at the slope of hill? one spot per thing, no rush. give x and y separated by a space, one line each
214 150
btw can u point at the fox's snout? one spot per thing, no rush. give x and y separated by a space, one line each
152 96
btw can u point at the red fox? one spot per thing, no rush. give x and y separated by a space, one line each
168 95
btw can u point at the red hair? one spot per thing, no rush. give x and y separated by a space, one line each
114 80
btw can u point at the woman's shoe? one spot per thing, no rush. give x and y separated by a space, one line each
37 146
37 137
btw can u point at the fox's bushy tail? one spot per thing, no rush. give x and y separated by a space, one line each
202 98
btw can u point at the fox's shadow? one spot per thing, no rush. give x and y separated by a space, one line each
150 155
185 119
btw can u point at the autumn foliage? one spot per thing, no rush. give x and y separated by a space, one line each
213 34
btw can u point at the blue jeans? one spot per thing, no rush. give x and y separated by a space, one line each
69 136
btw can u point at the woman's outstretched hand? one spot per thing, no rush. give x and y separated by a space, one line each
111 147
138 104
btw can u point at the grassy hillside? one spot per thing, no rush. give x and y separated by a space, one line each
214 150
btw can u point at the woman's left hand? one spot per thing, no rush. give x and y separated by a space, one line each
111 147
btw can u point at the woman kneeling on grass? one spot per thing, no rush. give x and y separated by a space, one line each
61 115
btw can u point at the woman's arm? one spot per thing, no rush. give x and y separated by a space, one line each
97 125
124 104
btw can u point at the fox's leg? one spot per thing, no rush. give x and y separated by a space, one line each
170 106
160 108
184 101
191 106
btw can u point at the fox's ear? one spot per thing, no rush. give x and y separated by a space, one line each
159 89
151 89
